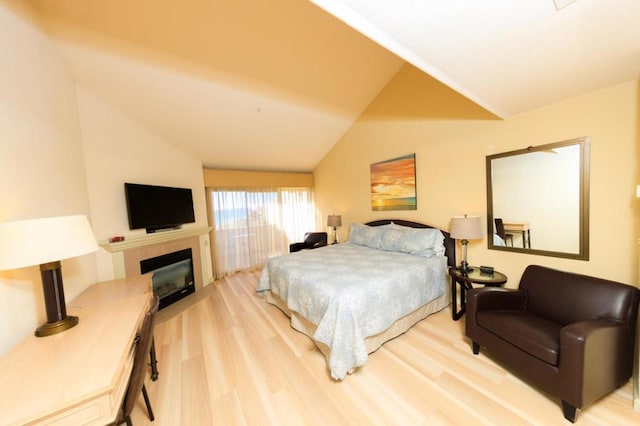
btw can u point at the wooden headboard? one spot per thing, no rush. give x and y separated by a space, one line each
449 243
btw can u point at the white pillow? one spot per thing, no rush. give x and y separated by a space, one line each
364 235
417 241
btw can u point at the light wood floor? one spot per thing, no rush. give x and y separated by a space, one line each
227 357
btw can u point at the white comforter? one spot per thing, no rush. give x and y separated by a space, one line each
351 292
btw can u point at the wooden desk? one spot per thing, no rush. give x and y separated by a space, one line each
78 376
520 227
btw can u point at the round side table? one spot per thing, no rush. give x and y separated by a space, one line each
466 281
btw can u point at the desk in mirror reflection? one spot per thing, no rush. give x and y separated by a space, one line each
519 228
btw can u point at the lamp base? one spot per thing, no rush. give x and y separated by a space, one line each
49 328
53 290
464 266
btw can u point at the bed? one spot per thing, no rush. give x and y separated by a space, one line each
352 297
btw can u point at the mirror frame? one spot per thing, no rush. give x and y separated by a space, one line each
583 243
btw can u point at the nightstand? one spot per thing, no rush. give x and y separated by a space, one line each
466 281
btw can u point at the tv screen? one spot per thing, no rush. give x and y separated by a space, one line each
158 207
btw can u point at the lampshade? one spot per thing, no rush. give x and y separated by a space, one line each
37 241
466 227
46 242
334 220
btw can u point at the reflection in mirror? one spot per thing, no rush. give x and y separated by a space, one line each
538 200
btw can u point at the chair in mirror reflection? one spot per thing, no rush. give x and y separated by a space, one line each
502 233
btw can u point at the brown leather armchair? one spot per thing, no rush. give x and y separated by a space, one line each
571 335
312 240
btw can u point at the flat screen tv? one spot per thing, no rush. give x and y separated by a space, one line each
157 208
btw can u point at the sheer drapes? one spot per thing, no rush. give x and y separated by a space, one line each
251 225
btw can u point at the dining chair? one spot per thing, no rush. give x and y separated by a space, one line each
501 232
143 343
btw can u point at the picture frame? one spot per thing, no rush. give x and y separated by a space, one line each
393 184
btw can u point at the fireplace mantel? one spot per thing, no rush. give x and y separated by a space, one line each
125 256
155 238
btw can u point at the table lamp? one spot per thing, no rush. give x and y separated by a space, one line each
333 221
465 228
46 242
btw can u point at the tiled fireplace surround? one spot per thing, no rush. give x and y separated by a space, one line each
133 256
126 255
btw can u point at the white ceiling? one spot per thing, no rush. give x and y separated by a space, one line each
273 85
509 56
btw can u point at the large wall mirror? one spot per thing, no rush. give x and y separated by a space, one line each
538 200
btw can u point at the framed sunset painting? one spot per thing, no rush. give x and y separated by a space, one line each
393 184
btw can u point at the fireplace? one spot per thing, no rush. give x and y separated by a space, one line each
172 275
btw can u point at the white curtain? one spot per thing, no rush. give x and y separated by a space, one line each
251 225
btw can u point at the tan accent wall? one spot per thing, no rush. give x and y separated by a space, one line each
451 177
217 178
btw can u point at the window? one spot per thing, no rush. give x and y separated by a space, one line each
251 225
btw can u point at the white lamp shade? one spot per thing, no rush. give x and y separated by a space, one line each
334 220
466 227
36 241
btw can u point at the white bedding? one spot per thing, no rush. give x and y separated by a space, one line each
350 292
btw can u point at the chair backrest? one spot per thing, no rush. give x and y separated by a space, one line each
315 239
143 346
500 228
567 297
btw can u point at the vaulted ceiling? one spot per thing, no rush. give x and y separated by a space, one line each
273 85
508 56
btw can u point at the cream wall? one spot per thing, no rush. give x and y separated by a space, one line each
450 162
118 150
41 161
65 151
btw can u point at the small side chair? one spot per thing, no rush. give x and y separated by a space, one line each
136 381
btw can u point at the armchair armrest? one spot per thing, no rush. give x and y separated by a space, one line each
597 353
495 298
293 247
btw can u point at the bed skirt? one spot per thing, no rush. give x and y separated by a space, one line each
372 343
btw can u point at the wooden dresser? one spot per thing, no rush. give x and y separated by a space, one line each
79 376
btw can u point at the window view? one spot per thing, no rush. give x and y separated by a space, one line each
254 224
